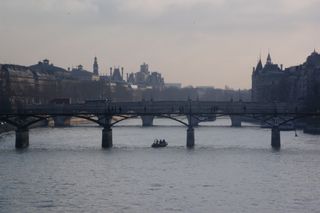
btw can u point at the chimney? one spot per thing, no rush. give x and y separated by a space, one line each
110 71
281 66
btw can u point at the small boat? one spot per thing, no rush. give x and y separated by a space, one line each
159 143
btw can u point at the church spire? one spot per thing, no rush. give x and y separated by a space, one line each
269 61
259 65
314 51
95 66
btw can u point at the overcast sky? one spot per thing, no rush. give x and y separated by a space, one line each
195 42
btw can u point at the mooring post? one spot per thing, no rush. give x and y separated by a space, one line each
275 137
107 137
22 137
190 137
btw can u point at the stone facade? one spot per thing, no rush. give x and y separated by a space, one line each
43 82
271 83
24 85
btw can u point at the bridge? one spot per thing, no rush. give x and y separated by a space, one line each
101 112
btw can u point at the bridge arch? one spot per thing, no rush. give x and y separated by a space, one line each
263 119
157 115
25 124
98 121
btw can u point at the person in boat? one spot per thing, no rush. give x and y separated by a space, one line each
163 141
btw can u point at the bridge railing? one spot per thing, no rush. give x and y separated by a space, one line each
162 107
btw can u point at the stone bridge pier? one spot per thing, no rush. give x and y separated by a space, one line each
275 137
147 120
235 120
190 132
22 137
190 137
193 121
107 134
107 137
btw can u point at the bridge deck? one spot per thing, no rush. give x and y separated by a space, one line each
162 107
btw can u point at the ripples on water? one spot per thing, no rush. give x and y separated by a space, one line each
229 170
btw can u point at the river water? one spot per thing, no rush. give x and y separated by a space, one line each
229 170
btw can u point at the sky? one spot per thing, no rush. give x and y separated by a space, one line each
194 42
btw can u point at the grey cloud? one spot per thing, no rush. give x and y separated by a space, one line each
232 16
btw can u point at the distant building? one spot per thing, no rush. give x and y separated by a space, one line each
46 68
83 75
95 67
266 80
173 85
144 78
116 75
271 83
33 84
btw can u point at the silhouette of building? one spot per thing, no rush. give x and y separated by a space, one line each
95 67
116 76
266 80
144 78
301 83
45 67
42 82
83 75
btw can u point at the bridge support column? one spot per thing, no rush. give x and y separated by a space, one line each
275 137
62 121
147 120
190 137
193 121
235 121
104 120
107 137
22 138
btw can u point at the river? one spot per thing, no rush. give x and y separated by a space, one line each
229 170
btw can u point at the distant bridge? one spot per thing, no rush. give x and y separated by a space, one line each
101 112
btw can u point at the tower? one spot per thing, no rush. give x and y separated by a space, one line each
269 61
259 66
95 66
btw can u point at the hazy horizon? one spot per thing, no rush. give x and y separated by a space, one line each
194 42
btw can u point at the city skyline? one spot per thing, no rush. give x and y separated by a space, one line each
199 43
